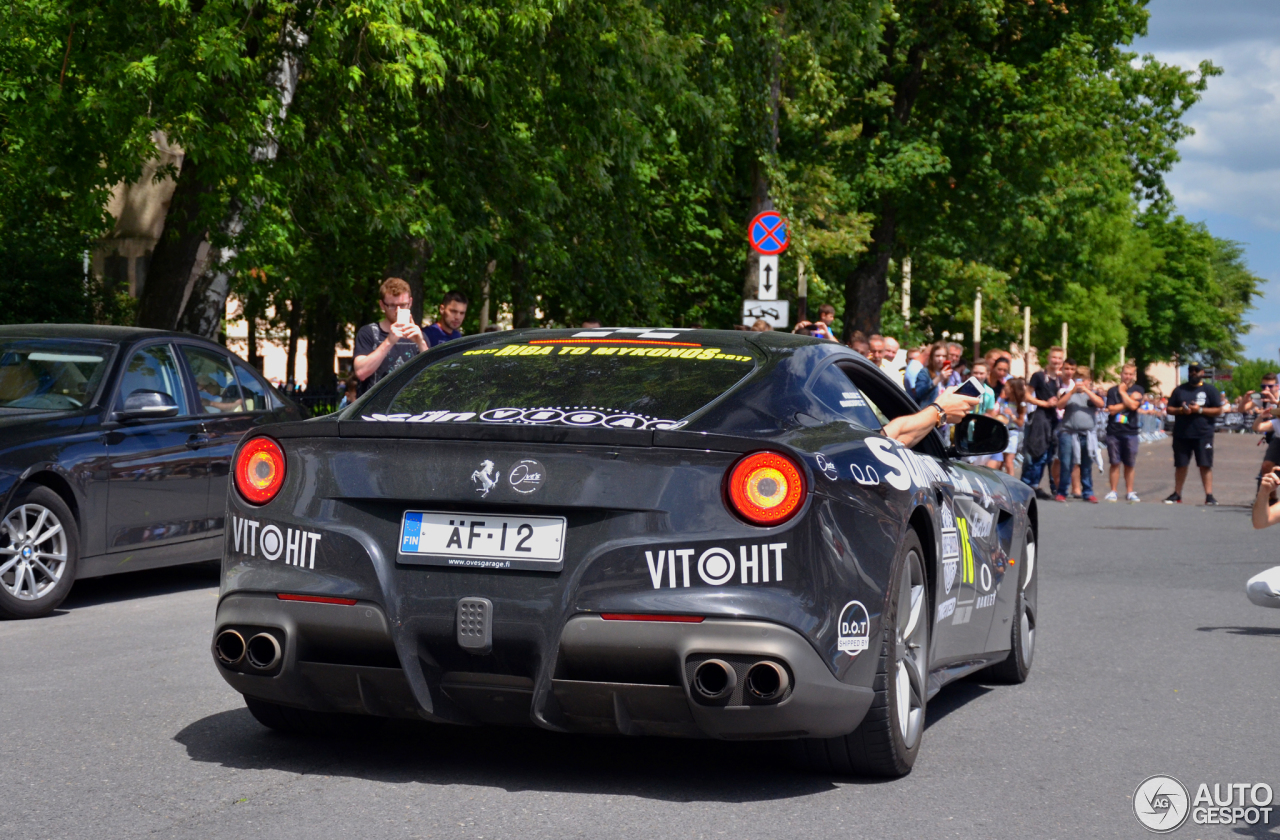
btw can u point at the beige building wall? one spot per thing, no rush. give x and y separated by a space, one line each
139 209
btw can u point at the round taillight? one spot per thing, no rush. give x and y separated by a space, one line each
260 470
766 488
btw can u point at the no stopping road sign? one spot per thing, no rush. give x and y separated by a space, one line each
769 233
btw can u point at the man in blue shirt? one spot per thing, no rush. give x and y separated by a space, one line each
453 310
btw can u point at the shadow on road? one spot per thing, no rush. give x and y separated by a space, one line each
1243 631
663 769
144 584
404 752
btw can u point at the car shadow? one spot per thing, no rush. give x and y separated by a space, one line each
1243 631
663 769
955 696
144 584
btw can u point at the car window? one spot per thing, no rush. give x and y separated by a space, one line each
252 389
153 369
833 388
615 382
216 385
50 374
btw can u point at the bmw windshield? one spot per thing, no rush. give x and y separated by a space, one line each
45 374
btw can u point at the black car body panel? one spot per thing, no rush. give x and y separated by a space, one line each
145 493
648 533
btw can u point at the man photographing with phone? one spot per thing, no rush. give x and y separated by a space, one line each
1194 406
386 345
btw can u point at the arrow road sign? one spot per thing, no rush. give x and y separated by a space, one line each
776 312
768 278
769 233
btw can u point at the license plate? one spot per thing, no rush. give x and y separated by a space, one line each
482 540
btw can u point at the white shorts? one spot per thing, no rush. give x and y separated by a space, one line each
1264 589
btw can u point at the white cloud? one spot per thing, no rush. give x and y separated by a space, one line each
1232 163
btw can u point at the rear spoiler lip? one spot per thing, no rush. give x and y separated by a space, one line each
669 439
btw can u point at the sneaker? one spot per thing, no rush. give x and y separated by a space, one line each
1132 497
1042 495
1210 500
1174 499
1111 497
1059 498
1091 499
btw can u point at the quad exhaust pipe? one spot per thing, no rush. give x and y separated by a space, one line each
714 679
261 652
229 648
767 681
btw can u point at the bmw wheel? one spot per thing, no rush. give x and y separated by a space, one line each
1022 642
887 741
39 546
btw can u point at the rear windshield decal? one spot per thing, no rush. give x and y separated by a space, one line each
683 351
581 416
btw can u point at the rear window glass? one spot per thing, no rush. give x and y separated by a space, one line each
616 384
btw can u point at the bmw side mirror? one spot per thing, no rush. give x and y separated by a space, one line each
978 434
143 403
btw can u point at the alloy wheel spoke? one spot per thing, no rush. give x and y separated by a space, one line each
8 552
54 530
7 566
45 570
57 556
40 520
16 523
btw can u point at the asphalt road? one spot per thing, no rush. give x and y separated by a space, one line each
1150 660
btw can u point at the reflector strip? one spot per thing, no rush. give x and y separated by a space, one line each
684 619
317 599
614 341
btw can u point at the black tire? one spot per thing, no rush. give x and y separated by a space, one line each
293 721
1017 666
34 581
882 745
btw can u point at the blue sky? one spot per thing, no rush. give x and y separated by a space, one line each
1229 175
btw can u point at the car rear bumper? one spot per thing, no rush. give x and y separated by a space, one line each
608 677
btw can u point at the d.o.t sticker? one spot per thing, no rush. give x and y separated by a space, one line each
855 624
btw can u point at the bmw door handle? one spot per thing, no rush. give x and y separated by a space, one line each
197 441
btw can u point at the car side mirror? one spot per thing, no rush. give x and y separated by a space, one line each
143 403
978 434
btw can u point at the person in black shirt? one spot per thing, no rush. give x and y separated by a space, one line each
1123 401
386 345
1040 442
1194 405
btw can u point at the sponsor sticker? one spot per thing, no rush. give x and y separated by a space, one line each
854 629
252 538
946 608
526 476
680 568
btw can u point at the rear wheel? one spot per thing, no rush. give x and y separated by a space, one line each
888 739
39 546
1022 649
294 721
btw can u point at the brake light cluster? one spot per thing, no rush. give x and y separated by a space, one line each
766 488
260 470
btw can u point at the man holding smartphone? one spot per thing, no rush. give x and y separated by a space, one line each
1194 406
386 345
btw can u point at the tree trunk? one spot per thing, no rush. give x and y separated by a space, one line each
171 272
251 317
410 264
291 360
760 200
523 310
866 287
321 341
207 304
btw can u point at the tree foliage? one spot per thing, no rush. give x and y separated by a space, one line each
599 158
